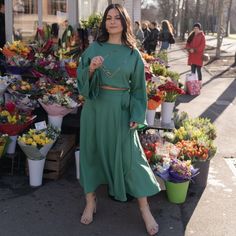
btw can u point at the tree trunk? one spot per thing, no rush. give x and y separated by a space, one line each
197 17
205 19
220 29
178 20
182 31
228 18
174 16
213 17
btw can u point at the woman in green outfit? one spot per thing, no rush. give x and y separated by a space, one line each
111 78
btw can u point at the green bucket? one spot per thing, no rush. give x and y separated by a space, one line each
176 192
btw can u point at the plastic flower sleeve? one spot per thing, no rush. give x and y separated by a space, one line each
33 152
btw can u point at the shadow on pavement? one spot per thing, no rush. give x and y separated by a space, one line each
223 101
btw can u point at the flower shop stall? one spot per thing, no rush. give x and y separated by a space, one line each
41 86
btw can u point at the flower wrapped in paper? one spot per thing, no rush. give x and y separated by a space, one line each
12 122
36 143
155 96
57 106
71 69
17 56
176 171
4 83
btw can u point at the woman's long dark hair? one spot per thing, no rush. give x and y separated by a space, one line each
127 37
190 37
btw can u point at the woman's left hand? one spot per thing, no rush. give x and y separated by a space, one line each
133 125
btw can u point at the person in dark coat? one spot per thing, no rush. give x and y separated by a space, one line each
146 32
152 38
195 45
166 36
2 34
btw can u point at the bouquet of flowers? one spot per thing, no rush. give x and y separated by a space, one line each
17 57
71 69
47 67
57 106
36 143
176 171
12 121
171 91
155 96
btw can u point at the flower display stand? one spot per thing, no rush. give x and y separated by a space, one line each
59 157
36 172
167 112
201 178
176 192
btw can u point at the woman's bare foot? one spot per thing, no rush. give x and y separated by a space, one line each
151 224
89 210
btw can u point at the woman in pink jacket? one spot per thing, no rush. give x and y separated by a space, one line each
195 46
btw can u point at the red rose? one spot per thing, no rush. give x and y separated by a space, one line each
10 107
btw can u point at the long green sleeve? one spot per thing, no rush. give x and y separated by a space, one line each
88 87
138 95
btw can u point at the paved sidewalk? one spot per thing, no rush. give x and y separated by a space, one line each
215 212
55 208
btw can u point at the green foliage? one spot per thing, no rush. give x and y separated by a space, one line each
173 75
163 56
158 70
93 21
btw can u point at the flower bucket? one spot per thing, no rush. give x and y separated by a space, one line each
36 172
166 112
55 121
77 152
12 145
201 178
177 192
150 116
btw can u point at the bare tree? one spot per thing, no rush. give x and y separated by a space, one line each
184 18
228 18
220 29
205 19
173 20
165 8
197 16
178 19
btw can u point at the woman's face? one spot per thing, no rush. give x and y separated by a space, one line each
113 22
196 30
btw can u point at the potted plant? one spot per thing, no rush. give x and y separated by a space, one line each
177 175
195 139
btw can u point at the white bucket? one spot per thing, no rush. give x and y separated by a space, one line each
150 116
55 121
36 172
77 152
167 112
12 145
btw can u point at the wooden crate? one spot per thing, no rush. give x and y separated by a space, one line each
59 157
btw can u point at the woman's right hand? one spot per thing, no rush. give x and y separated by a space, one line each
96 62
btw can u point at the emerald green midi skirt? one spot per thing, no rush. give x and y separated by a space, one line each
110 152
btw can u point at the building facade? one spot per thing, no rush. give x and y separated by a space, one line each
24 16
